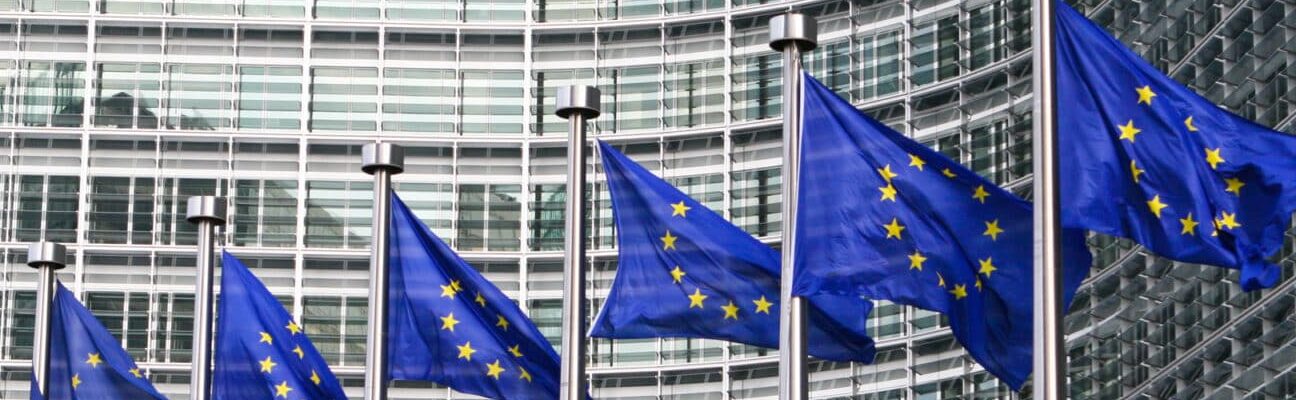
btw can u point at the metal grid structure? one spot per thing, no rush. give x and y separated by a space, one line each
113 112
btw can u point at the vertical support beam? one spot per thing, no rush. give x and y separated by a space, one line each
207 212
577 104
45 257
1050 357
792 34
382 160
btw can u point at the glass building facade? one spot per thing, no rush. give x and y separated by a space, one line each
112 112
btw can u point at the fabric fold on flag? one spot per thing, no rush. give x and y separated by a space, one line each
884 217
449 325
261 352
87 362
685 271
1144 157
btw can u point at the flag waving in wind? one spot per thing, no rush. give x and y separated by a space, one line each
449 325
87 362
684 271
261 352
884 217
1145 158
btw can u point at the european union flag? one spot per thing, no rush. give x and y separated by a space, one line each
261 352
684 271
884 217
87 362
451 326
1145 158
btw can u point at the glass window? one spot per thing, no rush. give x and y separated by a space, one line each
831 64
201 96
563 11
339 214
693 6
174 196
176 326
489 217
125 315
347 45
144 41
344 99
616 9
419 100
322 318
270 43
495 10
492 102
346 9
208 156
69 39
547 82
422 46
54 93
631 98
59 5
548 208
121 210
126 95
205 7
190 41
275 8
269 97
987 41
22 323
8 88
123 153
265 213
935 51
695 93
433 203
47 208
879 74
423 10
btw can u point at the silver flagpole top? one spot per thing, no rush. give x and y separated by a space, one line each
793 27
47 254
582 99
205 208
382 155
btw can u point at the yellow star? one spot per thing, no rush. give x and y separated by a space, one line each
265 338
916 162
466 351
978 283
1216 223
948 173
888 192
893 229
1213 157
267 365
668 241
1229 220
959 291
992 229
1145 95
1189 123
677 274
1134 169
136 372
940 280
916 260
494 369
987 266
762 305
1234 186
1189 226
315 378
448 322
94 360
455 284
886 173
282 389
980 194
300 354
680 209
502 323
76 380
448 291
731 310
516 350
293 327
695 299
524 375
480 300
1156 205
1128 131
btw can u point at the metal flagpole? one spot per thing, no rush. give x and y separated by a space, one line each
578 104
792 34
382 160
1050 370
45 257
207 212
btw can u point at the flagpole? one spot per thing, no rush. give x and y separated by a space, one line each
792 34
207 212
45 257
382 160
578 104
1050 357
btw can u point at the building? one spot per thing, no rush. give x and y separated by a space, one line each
112 112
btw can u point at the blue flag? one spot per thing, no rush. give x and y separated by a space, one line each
261 352
684 271
87 362
451 326
884 217
1145 158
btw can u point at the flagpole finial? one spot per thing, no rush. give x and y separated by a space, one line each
793 28
47 254
578 99
205 208
388 156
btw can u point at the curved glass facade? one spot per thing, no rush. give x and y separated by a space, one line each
112 112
